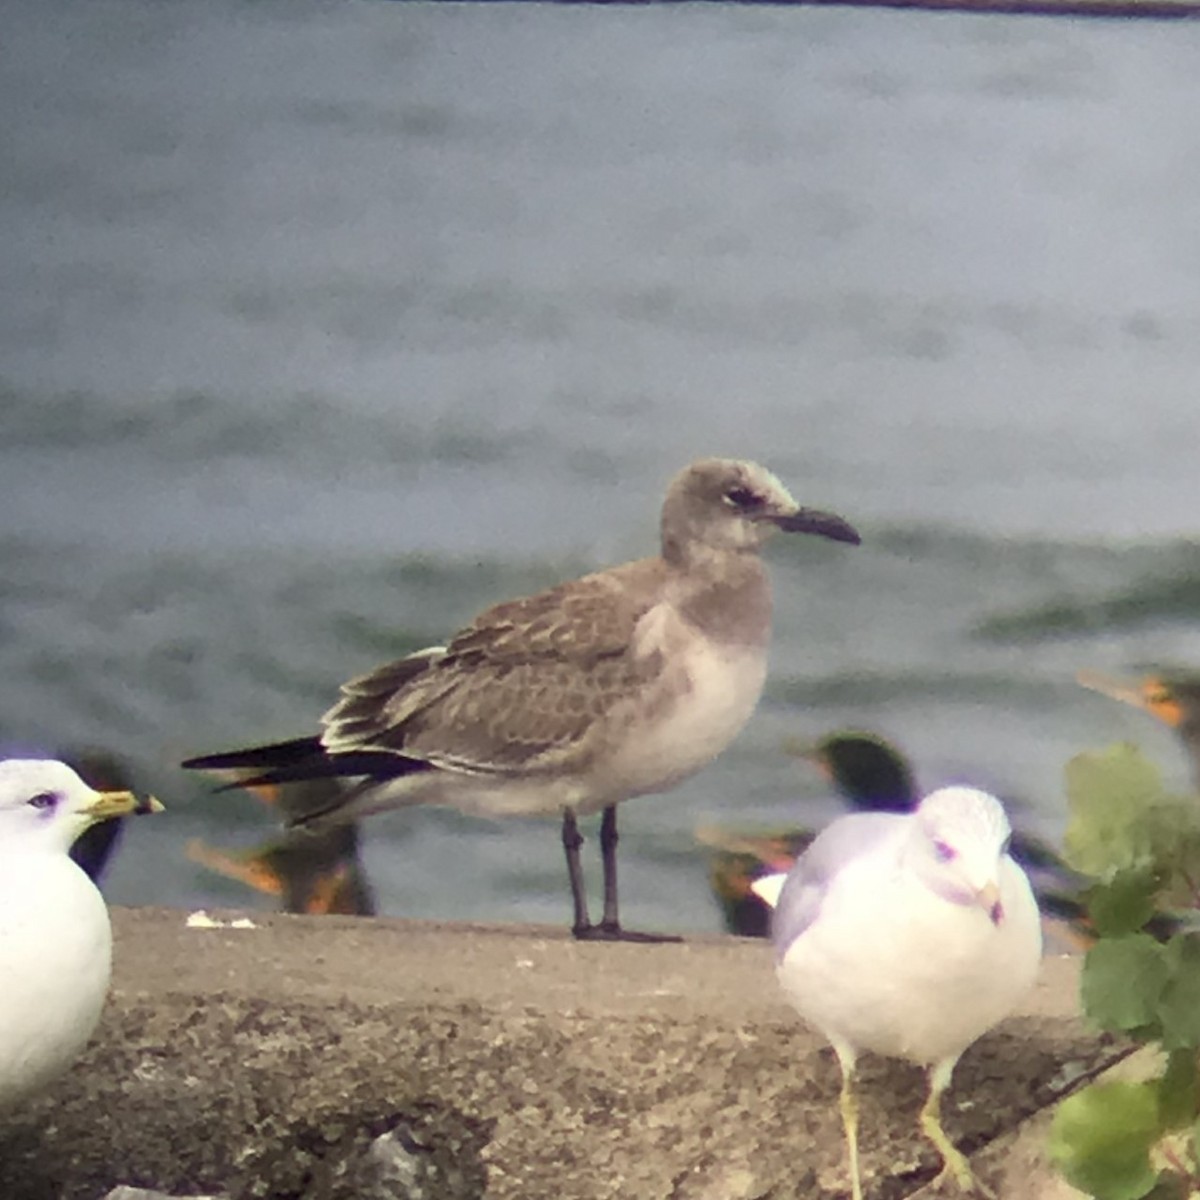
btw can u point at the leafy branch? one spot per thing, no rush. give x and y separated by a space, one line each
1140 847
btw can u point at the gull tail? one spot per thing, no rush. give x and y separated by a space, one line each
304 759
276 755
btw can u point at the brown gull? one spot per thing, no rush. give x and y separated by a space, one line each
621 683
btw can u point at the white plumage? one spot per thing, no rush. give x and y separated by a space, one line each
55 938
909 936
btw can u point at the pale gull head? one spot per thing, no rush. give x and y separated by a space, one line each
960 838
722 504
45 806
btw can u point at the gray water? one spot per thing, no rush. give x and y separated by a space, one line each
323 326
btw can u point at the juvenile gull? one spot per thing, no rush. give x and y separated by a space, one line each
567 702
55 939
909 936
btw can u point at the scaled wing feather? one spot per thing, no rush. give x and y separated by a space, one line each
516 691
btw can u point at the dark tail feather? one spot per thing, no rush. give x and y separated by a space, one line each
375 765
278 754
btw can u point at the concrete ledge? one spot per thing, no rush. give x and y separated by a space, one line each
509 1061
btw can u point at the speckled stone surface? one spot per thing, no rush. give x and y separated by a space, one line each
339 1057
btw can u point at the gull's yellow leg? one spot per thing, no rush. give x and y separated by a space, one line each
931 1125
848 1104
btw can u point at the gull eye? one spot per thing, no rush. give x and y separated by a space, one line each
944 852
743 498
43 801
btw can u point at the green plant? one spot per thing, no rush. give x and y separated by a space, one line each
1139 844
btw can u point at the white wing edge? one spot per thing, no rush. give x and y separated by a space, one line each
767 888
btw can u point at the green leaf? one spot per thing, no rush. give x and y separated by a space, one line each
1175 834
1179 1004
1109 793
1122 982
1101 1139
1169 1187
1177 1090
1125 903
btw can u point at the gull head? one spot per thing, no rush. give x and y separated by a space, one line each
45 806
959 843
723 504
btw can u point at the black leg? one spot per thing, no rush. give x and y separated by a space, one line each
572 840
609 929
611 922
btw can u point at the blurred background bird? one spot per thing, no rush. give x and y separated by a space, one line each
869 774
1170 696
103 771
310 872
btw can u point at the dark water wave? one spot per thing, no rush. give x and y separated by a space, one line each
872 689
1165 596
929 541
186 426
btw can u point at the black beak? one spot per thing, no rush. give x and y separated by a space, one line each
824 524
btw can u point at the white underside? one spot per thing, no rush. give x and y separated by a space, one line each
711 692
55 963
891 967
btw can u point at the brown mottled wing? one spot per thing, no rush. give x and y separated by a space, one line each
518 689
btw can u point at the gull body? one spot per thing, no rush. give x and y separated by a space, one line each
618 684
55 937
628 719
908 936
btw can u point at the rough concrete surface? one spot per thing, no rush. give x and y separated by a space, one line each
341 1057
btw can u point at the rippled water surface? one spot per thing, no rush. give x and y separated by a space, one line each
321 327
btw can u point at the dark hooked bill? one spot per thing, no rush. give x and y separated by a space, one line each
825 524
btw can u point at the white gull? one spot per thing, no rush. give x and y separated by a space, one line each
55 937
909 936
